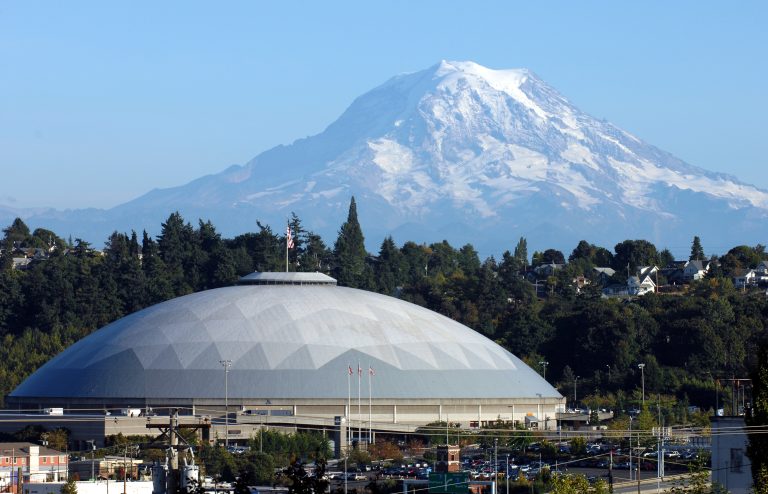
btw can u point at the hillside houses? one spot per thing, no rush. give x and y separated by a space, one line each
644 279
24 257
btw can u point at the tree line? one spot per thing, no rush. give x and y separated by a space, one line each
591 345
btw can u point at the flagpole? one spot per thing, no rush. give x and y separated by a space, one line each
349 407
359 414
370 414
287 240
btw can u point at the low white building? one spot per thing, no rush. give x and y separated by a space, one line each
730 464
86 487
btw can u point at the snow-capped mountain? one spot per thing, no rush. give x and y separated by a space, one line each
467 153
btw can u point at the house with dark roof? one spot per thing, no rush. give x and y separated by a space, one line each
695 270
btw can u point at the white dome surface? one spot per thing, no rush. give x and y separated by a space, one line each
284 341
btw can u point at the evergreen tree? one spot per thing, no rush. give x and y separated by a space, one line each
521 251
18 231
70 486
316 256
349 251
389 269
697 252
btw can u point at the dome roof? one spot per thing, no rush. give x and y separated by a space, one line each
283 341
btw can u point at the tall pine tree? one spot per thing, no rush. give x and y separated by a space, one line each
349 250
697 252
521 251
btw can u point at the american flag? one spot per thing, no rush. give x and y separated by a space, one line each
289 237
371 371
350 369
359 370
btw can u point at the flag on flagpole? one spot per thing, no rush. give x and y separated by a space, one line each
350 370
359 371
289 237
371 372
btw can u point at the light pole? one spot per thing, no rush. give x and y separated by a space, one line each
630 447
609 372
642 380
506 475
544 364
92 442
227 364
575 381
495 463
540 410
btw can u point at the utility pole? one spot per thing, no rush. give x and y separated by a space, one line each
544 365
170 433
125 471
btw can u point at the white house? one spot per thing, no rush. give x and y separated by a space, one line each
695 270
743 278
638 286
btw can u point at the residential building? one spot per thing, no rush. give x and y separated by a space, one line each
603 275
640 286
36 464
743 278
695 270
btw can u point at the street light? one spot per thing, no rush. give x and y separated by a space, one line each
630 448
575 380
92 442
642 380
609 372
540 410
544 365
227 364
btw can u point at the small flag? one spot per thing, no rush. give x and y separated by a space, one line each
289 237
350 370
359 371
371 371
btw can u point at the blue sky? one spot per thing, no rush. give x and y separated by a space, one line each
103 101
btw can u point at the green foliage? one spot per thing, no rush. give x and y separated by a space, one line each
69 487
521 252
686 341
578 446
697 251
577 484
300 482
350 268
284 447
634 253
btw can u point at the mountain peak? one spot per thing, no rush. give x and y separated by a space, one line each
502 77
457 149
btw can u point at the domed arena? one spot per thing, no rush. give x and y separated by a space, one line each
293 345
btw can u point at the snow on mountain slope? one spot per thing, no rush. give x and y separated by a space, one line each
484 138
459 149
